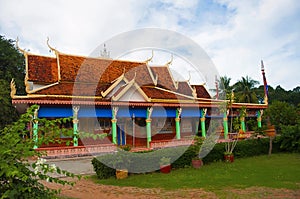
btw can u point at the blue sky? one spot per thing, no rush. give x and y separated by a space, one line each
236 34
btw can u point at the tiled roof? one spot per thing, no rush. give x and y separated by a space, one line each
83 69
184 88
156 93
201 91
76 89
87 76
42 69
165 79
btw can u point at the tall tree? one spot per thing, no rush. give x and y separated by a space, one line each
224 86
244 90
11 66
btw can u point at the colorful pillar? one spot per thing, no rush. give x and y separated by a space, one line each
114 124
35 128
75 125
225 125
177 122
259 114
148 126
242 119
202 119
243 126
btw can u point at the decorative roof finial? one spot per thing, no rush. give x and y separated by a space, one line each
18 47
51 48
149 59
189 77
170 62
104 53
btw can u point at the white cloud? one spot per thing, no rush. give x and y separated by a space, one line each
236 34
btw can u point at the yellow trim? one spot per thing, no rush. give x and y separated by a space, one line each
129 84
118 80
115 98
158 88
58 96
173 100
44 87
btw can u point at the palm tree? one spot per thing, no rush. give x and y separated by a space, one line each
224 86
244 90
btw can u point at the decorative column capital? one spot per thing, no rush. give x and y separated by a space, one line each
149 112
202 119
177 119
178 112
114 120
148 120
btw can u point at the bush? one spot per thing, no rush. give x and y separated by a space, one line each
102 170
146 162
289 140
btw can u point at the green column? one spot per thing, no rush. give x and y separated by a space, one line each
259 119
243 126
75 125
177 122
35 128
114 125
225 125
148 126
202 119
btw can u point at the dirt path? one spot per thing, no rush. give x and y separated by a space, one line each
86 188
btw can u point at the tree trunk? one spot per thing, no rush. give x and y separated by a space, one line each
271 145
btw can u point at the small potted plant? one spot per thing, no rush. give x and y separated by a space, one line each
229 146
197 162
165 165
196 147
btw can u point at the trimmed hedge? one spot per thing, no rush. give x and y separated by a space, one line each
180 157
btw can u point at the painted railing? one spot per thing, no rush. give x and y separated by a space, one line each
78 151
170 143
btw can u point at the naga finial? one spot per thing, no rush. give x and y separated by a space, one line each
13 89
51 48
18 47
149 59
170 62
189 77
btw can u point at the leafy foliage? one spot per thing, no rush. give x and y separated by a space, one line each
11 66
281 113
19 177
290 138
244 90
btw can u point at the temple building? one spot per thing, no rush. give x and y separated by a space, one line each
134 103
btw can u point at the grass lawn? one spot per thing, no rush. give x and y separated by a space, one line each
277 171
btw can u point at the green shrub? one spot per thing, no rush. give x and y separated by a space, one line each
289 140
180 156
102 170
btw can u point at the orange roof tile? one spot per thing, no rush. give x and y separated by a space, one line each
42 69
165 79
201 91
86 69
77 89
184 88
